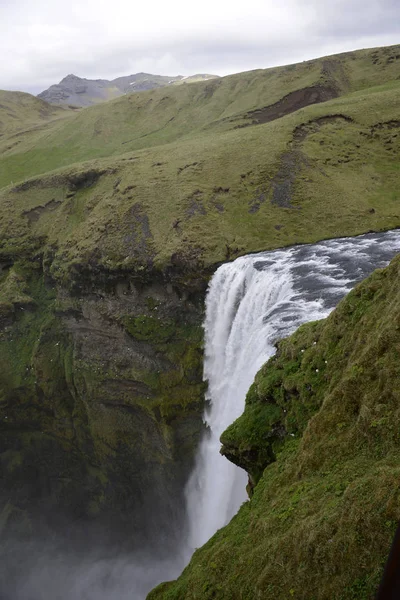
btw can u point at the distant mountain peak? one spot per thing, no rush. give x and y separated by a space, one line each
69 77
78 91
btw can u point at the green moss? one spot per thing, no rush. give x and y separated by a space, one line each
14 288
150 329
18 345
181 387
252 441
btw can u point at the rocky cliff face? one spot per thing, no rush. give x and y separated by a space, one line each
101 397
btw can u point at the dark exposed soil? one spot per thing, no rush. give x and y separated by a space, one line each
291 103
138 237
255 203
284 180
74 181
83 180
305 129
218 205
187 167
35 213
196 206
394 124
332 83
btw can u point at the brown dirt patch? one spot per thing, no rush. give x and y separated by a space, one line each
291 103
196 206
138 237
34 214
74 181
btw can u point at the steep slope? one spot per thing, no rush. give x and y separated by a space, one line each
319 438
101 396
79 91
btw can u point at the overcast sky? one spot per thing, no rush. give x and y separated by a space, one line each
41 41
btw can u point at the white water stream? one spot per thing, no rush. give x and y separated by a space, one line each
251 303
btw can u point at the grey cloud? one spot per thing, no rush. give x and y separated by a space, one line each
327 27
341 19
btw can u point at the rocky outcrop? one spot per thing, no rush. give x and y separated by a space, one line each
79 91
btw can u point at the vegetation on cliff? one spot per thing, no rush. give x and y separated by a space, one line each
320 439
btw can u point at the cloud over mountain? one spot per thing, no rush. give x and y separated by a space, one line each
41 42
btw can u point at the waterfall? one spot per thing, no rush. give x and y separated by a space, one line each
251 303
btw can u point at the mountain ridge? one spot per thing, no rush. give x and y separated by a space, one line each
81 91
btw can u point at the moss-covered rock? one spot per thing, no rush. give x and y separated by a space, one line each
101 397
320 438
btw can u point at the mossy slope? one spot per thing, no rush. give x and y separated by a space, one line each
19 110
198 174
320 439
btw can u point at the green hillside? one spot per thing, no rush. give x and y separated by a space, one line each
20 111
320 439
147 119
211 179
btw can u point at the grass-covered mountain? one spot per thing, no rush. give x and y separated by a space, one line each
320 440
214 167
78 91
112 219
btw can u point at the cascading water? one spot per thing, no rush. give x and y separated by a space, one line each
251 303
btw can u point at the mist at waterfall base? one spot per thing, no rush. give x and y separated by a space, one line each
54 573
251 303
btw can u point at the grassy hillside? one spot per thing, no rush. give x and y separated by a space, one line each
204 172
148 119
23 118
326 170
20 111
320 439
